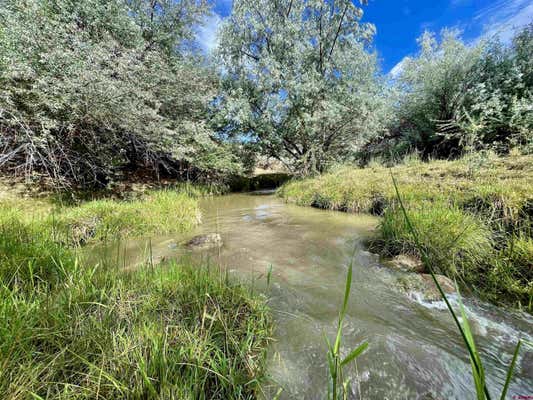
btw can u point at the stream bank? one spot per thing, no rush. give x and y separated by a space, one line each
72 326
298 258
473 217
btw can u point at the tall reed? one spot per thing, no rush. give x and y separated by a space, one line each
338 386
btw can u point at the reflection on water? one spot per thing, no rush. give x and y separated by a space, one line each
415 350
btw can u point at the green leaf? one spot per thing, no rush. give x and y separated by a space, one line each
475 361
344 305
510 370
354 354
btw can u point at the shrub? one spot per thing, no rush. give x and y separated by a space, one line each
95 88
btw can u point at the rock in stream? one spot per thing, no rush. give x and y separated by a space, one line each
406 263
204 242
421 286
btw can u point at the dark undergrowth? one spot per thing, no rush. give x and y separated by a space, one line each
264 181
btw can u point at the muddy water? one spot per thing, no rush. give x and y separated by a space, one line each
415 351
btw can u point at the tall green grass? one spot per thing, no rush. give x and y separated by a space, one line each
494 263
478 371
29 257
510 272
450 238
157 213
499 188
73 331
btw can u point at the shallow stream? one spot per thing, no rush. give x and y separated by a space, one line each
415 350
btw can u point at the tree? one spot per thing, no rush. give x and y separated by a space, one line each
167 24
497 110
86 95
457 97
434 86
299 82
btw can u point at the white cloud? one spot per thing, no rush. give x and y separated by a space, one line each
397 70
207 33
503 17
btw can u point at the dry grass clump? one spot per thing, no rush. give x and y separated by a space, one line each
501 185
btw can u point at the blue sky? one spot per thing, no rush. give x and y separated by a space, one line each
400 22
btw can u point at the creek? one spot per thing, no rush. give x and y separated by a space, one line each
415 349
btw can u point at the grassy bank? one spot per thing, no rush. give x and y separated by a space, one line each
68 330
156 213
170 210
474 216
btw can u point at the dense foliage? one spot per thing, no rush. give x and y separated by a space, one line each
94 88
300 82
90 88
456 97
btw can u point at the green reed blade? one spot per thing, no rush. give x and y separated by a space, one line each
510 370
354 354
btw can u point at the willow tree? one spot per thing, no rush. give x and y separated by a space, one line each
459 97
168 23
94 89
300 82
435 85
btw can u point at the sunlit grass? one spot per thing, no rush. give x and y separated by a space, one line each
67 330
500 185
154 212
157 213
451 238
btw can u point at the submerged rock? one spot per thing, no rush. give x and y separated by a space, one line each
84 230
421 286
204 242
407 263
369 254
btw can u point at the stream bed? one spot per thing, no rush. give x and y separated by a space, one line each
415 350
